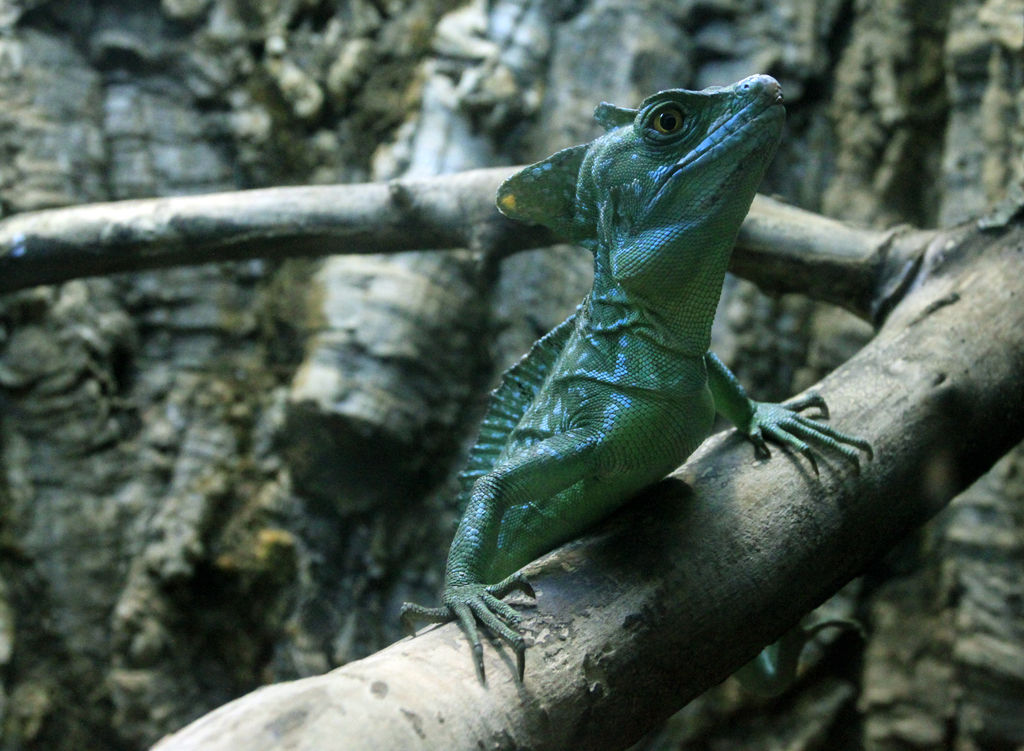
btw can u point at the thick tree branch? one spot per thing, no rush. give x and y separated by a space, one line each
686 584
780 247
783 248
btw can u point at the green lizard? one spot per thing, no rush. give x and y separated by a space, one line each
619 394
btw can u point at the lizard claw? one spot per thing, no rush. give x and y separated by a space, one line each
469 603
784 424
761 449
521 662
412 612
517 581
809 455
806 401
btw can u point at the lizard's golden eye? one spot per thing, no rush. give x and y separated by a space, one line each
667 120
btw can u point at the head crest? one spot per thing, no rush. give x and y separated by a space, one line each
545 192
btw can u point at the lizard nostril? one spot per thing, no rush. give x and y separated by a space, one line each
761 84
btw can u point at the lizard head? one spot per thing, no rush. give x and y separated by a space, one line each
682 159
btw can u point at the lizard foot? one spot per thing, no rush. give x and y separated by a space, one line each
774 670
471 602
784 424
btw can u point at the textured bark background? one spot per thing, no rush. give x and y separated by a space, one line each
221 476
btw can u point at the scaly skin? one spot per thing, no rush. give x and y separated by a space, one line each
619 395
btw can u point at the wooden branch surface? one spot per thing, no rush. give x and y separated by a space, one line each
687 583
449 211
780 247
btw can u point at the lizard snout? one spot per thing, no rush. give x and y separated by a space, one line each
761 85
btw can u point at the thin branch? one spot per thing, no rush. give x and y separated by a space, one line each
682 587
780 247
449 211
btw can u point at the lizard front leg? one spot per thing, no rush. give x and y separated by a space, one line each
774 670
782 423
497 535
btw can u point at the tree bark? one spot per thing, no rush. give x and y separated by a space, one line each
686 584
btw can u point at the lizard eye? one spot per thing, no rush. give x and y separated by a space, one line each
666 120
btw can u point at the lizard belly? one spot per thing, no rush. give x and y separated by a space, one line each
643 438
